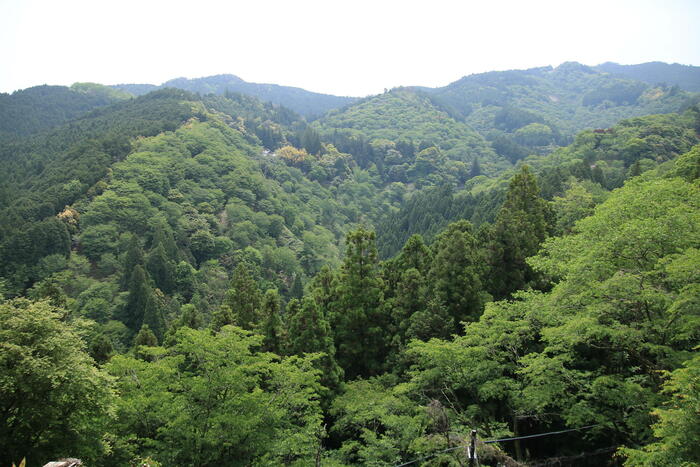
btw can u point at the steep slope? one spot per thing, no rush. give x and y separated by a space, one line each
686 77
300 100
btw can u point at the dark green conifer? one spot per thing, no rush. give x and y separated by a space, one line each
161 269
145 337
309 332
519 230
455 273
139 295
190 317
243 298
272 322
432 322
297 288
475 169
359 324
163 235
185 280
222 317
132 258
153 314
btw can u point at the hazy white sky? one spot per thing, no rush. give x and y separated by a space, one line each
353 47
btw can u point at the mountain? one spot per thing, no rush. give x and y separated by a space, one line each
568 99
686 77
409 118
310 104
489 121
41 107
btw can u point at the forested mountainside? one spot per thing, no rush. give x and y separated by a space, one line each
307 103
565 99
686 77
212 280
42 107
516 113
600 159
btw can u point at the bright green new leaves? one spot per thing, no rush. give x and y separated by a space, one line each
678 429
380 423
625 309
215 400
53 401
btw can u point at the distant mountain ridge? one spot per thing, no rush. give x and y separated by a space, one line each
686 77
307 103
519 112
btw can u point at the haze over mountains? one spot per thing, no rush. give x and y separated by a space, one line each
309 103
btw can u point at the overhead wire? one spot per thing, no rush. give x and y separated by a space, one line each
491 441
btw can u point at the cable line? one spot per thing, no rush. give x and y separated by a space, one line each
540 434
491 441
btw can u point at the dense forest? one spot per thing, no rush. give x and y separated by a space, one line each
215 276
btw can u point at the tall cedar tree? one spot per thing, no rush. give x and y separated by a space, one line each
164 236
411 297
272 322
153 314
455 273
161 268
139 296
358 321
520 229
324 289
310 332
414 255
243 298
132 258
297 288
145 337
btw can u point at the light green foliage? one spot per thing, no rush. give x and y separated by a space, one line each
404 114
590 351
678 426
576 204
570 98
625 307
382 422
214 400
54 402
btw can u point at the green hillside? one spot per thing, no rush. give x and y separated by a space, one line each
39 108
570 98
602 160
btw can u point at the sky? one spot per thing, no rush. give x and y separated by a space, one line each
354 47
